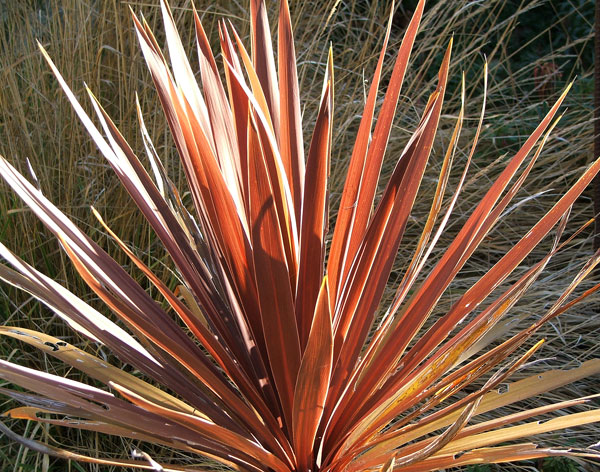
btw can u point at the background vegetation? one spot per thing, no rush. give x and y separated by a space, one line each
534 48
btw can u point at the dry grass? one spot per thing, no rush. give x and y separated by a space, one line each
94 43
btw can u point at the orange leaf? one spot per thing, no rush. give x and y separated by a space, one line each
313 383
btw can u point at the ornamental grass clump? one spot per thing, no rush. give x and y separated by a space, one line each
269 349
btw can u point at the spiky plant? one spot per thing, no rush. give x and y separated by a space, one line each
272 352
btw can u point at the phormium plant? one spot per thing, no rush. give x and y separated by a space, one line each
272 355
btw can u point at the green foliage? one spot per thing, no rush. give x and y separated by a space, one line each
478 468
559 464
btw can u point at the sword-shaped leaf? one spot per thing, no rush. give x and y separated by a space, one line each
313 383
314 218
276 358
272 279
